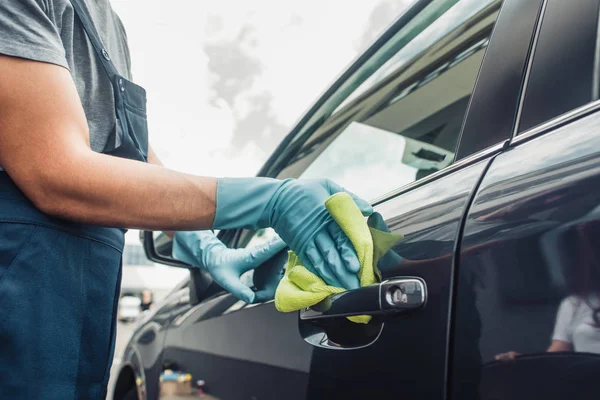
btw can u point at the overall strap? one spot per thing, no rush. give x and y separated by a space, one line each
92 33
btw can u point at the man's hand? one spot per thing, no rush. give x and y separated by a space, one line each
296 210
226 266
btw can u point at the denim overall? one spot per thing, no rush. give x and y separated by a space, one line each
60 280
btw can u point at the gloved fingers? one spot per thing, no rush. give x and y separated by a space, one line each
318 264
334 262
365 208
345 247
258 255
275 245
264 295
376 221
235 286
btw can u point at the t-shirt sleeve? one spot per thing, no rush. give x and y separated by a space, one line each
26 31
563 330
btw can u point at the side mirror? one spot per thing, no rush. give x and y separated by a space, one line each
158 247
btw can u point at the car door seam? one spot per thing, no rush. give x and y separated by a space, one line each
454 278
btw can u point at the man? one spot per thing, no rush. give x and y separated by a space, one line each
75 160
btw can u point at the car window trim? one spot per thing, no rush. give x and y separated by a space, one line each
531 57
557 122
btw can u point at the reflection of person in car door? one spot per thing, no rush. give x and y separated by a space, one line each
577 326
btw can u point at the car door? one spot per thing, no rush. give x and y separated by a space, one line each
395 129
528 282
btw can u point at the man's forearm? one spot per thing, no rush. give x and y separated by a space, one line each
154 160
116 192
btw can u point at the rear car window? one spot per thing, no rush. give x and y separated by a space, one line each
400 115
564 73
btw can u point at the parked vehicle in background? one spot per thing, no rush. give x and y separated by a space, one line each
474 127
129 309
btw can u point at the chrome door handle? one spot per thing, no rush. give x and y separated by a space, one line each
390 297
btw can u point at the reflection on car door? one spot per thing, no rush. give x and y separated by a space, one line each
531 244
528 302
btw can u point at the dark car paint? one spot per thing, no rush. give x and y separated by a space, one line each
429 217
255 352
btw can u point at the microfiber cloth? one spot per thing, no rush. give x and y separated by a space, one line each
300 288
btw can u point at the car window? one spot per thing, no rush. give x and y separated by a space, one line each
398 117
401 121
565 69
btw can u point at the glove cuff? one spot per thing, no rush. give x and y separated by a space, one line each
244 202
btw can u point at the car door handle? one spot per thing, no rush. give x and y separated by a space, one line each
390 297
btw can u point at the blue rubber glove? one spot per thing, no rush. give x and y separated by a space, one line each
295 209
204 250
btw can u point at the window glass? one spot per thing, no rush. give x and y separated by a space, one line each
402 121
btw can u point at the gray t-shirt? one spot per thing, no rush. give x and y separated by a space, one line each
49 31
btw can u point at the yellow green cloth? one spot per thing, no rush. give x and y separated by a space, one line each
300 288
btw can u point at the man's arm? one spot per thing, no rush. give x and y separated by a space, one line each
44 147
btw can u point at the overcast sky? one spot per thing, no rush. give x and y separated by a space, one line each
226 80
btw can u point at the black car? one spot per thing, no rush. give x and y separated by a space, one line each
474 128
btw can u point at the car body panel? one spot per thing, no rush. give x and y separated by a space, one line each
411 351
534 224
240 351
